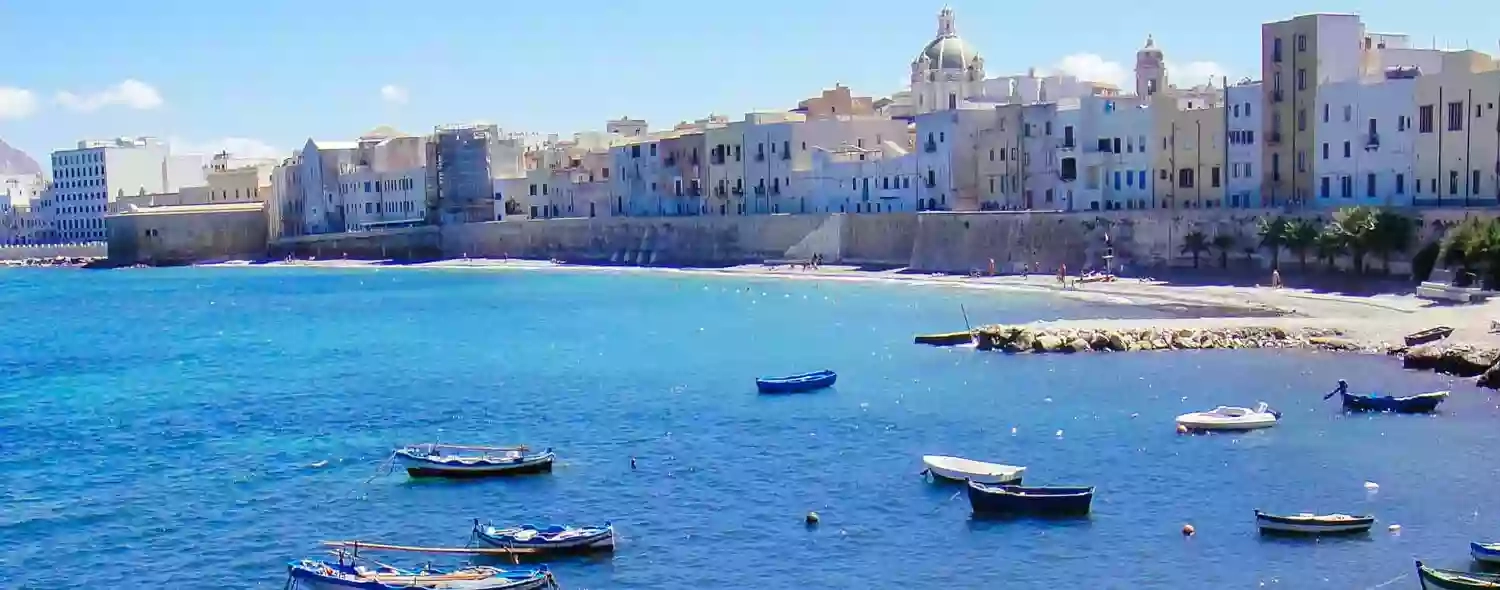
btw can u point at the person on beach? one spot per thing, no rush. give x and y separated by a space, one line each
1275 279
1062 275
1025 270
992 267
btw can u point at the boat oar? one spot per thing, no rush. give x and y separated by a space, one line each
1330 394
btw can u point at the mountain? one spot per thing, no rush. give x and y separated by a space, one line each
14 161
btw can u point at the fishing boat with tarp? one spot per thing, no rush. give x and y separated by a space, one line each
797 383
1421 403
948 339
552 539
1486 553
358 573
960 469
463 461
1021 500
1308 523
1433 578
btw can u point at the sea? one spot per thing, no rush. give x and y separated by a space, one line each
202 427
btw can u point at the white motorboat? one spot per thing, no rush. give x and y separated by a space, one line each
960 469
1230 418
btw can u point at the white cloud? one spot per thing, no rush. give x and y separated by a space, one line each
1092 67
243 147
16 103
131 93
394 94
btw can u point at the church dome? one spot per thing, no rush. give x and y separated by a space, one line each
948 53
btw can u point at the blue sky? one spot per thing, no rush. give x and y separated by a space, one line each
275 72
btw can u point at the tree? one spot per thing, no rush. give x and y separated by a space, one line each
1454 252
1301 238
512 207
1223 243
1392 235
1474 247
1273 236
1196 244
1331 244
1357 225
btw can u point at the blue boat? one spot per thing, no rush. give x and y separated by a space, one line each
313 574
552 539
1021 500
797 383
1421 403
1486 553
465 461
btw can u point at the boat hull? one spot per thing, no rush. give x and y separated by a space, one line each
797 383
1439 579
1429 335
949 339
1485 552
301 577
940 468
1195 422
604 540
1415 404
1016 500
1291 525
424 467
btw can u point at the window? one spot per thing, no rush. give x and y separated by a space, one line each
1302 119
1235 111
1456 116
1452 182
1474 184
1346 149
1301 78
1214 177
1276 49
1424 119
1323 188
1325 113
1370 185
1402 123
1185 178
1348 113
1301 43
1346 187
1117 145
1325 150
1248 173
1400 184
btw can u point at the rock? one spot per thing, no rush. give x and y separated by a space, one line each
1046 343
1277 333
1467 361
1158 344
1184 343
1117 341
1491 377
1024 338
1077 345
1013 348
1333 343
1100 341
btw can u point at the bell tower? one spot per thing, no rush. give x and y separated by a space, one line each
1150 70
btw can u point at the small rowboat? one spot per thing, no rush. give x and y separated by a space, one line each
312 574
1433 578
797 383
1421 403
1313 524
560 539
1230 418
1428 335
949 339
1485 552
1043 501
960 469
437 460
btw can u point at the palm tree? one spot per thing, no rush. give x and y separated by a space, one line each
1195 243
1301 238
1223 243
1357 225
1392 235
1330 244
1273 236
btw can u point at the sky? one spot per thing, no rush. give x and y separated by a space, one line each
261 78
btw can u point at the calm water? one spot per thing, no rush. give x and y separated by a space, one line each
161 426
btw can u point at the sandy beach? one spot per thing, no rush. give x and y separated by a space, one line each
1369 320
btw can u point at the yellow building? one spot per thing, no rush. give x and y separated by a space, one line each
1189 155
1457 143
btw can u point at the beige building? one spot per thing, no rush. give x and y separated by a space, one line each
836 101
726 167
1457 143
1190 154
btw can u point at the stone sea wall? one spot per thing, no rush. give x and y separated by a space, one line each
1038 339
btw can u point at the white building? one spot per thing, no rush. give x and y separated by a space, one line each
386 181
768 163
317 200
850 179
20 196
1365 153
87 179
1245 130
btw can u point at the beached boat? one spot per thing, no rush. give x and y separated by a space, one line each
1231 418
1313 524
1041 501
312 574
797 383
1433 578
960 469
1421 403
1428 335
439 460
556 538
1485 552
949 339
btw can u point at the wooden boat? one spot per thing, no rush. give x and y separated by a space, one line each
1047 501
556 538
312 574
949 339
1230 418
1433 578
797 383
1421 403
1313 524
1488 553
438 460
960 469
1428 335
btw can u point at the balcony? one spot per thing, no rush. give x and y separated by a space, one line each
775 190
1372 141
695 192
1276 96
738 192
760 190
1276 56
931 183
930 147
719 191
1067 144
760 156
669 161
785 155
1273 137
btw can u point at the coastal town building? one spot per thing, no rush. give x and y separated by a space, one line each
1364 152
1457 162
1189 154
19 196
1244 134
89 178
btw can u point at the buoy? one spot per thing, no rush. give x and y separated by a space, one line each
1370 485
1395 528
1181 429
1188 530
812 518
1059 434
632 462
1012 430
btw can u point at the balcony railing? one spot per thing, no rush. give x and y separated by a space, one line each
760 156
1273 137
719 191
1276 96
737 191
1372 141
775 190
695 192
930 147
785 155
931 184
1067 144
760 190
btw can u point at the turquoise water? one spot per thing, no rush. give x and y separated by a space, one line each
161 427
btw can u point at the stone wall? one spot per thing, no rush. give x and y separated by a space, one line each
88 250
410 243
167 236
884 239
679 241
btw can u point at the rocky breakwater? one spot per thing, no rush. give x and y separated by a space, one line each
1044 339
1459 359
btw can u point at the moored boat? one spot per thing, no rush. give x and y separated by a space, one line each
1428 335
1020 500
1421 403
1485 552
438 460
949 339
1230 418
1313 524
313 574
797 383
1433 578
556 538
961 469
